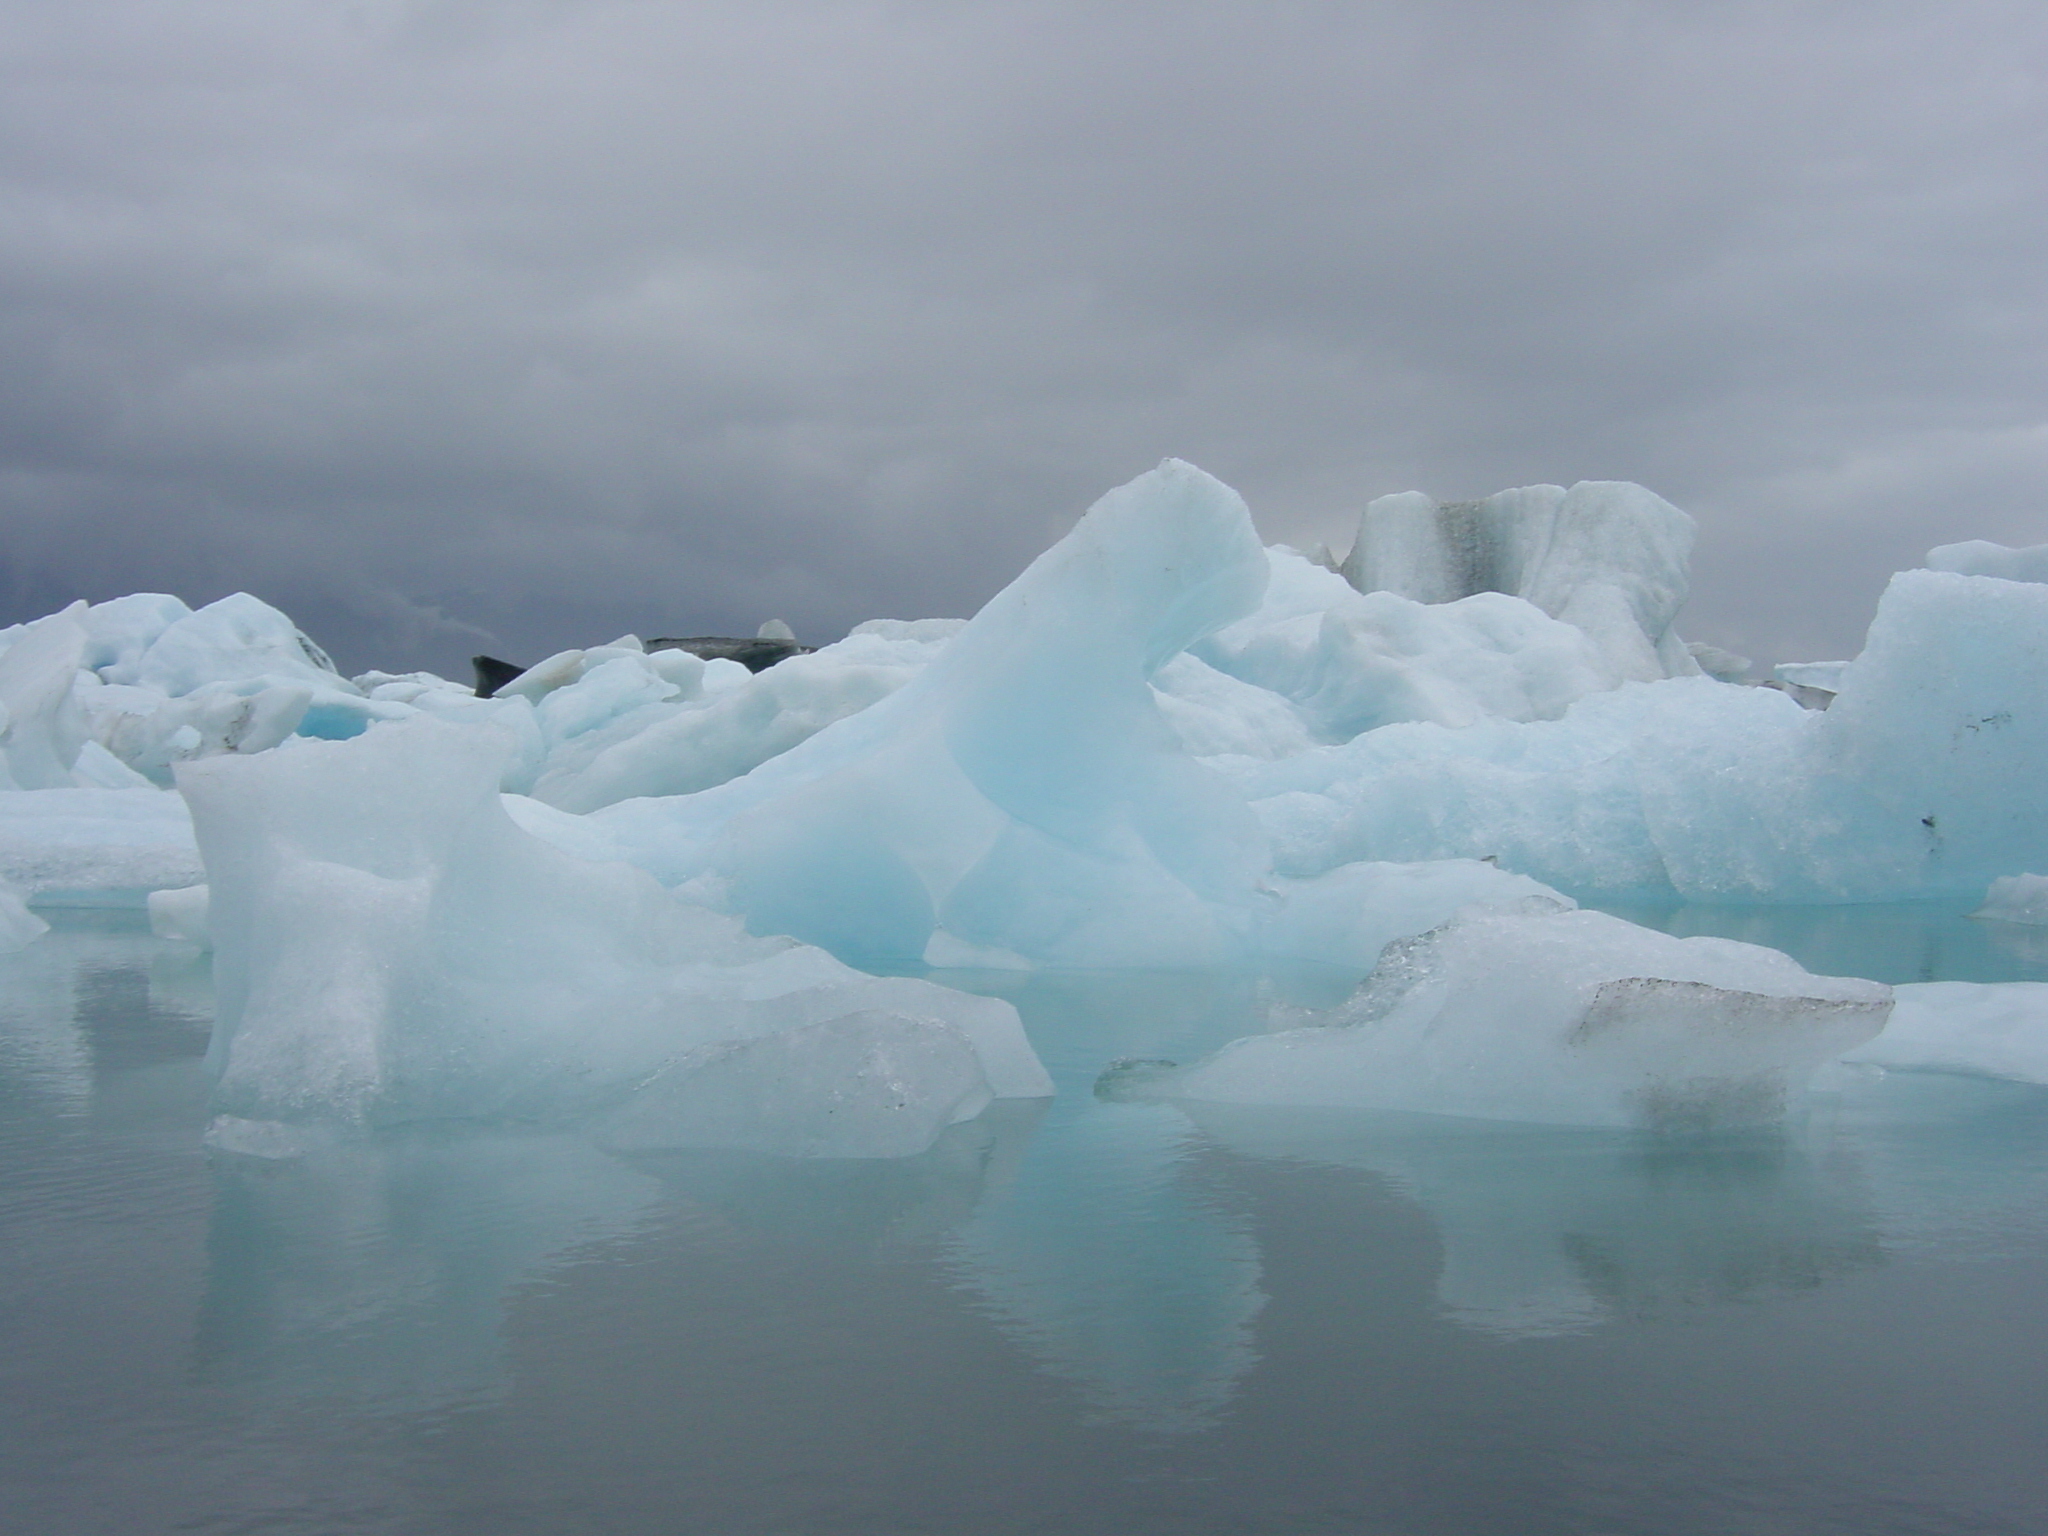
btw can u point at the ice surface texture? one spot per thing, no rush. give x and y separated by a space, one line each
1540 1013
389 946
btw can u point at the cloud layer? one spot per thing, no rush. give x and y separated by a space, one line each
507 325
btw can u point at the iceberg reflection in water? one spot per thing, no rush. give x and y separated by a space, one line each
1078 1314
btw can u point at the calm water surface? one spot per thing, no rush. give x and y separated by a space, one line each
1078 1317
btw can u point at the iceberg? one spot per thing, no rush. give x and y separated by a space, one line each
1915 783
1538 1013
1352 662
42 729
1968 1028
91 847
2016 899
667 723
632 889
389 947
1022 795
1607 557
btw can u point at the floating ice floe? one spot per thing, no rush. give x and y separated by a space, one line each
2016 899
1541 1013
1972 1029
96 847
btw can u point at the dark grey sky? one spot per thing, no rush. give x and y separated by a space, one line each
518 323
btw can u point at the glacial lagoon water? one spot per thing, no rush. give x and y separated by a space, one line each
1079 1316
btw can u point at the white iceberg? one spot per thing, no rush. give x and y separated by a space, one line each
1352 662
96 847
1023 795
1607 557
2016 899
1919 780
1542 1014
389 946
1969 1028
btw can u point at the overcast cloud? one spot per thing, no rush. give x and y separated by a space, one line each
513 324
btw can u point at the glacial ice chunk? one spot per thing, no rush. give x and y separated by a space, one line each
1607 557
2016 899
1352 662
181 914
1824 675
1974 1029
96 847
120 631
672 724
1022 793
1540 1014
1919 780
389 946
237 638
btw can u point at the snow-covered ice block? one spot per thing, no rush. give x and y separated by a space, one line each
389 946
1996 1030
1541 1014
96 847
2016 899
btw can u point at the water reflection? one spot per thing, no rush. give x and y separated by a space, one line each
1118 1272
379 1269
1087 1316
91 1001
1546 1231
383 1268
